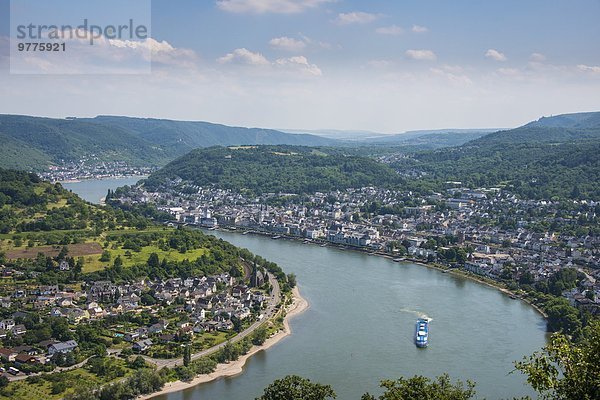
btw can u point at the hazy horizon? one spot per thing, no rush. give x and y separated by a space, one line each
378 66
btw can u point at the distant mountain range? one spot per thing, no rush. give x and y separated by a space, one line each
421 139
35 143
555 156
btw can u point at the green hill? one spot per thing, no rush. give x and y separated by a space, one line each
187 135
28 204
553 157
33 143
557 129
265 169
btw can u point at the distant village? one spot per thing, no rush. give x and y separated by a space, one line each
91 167
459 217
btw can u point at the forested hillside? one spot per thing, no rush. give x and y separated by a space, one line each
34 143
540 160
275 169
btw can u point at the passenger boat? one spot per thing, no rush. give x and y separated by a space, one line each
422 333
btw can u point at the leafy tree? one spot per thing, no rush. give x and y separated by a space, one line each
422 388
63 253
105 257
118 262
291 278
153 260
565 370
187 355
138 363
562 317
259 336
294 387
147 299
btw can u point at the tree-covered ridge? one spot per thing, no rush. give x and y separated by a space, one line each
265 169
557 129
554 157
69 139
532 170
29 205
34 143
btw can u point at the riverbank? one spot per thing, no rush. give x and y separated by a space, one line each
298 306
454 271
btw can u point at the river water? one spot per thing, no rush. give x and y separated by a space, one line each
360 325
94 190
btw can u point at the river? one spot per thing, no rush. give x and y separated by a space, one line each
94 190
360 325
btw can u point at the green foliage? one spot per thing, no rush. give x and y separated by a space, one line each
274 169
294 387
187 355
422 388
105 257
29 205
562 317
566 370
291 278
32 143
532 170
259 336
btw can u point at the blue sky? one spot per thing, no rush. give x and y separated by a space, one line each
377 65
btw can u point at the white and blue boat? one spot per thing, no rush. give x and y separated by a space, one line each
422 333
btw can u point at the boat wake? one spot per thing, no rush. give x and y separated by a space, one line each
419 314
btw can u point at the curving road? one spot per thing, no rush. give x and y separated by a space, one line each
274 300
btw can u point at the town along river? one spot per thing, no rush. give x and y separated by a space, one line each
359 328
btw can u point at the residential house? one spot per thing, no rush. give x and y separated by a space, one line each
62 347
8 354
142 345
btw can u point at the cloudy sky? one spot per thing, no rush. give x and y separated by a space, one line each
384 66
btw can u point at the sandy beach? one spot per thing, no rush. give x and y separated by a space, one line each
299 305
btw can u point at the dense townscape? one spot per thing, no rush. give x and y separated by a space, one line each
487 231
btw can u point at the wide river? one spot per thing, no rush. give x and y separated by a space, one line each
94 190
360 325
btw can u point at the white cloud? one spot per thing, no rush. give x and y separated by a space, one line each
588 68
419 29
269 6
390 30
355 17
422 55
287 44
537 57
243 56
299 63
495 55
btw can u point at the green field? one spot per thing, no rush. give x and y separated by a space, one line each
129 257
92 256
